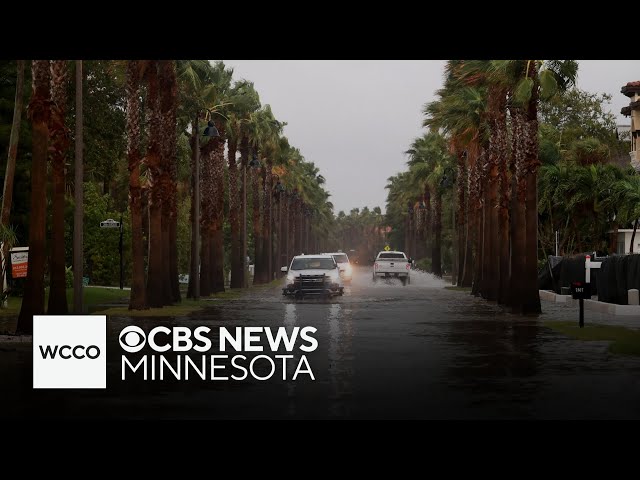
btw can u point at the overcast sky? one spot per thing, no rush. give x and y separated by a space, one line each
355 118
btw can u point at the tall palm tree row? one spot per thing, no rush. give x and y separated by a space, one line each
486 113
163 101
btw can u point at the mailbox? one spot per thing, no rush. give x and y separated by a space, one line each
581 290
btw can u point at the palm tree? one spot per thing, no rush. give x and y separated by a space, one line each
246 102
7 192
537 79
196 94
39 112
459 113
58 153
212 252
138 298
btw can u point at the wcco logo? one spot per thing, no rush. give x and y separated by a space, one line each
69 351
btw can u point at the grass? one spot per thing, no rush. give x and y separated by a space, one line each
92 296
185 307
458 289
96 301
625 341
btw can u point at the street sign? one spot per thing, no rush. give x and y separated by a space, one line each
581 290
110 223
387 248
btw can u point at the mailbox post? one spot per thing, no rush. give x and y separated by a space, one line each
580 291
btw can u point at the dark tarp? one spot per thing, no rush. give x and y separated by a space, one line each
619 273
561 271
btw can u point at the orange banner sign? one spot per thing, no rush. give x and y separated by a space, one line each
19 263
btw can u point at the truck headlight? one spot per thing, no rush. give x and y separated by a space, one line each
290 278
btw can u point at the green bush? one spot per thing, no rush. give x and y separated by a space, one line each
424 264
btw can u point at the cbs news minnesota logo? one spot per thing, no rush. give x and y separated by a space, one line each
69 351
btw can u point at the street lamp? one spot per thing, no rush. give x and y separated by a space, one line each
211 130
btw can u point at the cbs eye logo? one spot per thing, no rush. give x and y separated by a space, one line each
132 339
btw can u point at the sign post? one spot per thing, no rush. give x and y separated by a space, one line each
111 223
580 291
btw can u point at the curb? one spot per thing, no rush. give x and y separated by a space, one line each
594 305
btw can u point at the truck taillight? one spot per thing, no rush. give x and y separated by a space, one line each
375 265
408 266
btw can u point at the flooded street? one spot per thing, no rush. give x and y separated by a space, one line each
386 351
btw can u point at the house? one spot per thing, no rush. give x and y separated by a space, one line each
624 240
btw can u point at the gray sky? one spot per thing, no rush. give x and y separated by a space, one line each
355 118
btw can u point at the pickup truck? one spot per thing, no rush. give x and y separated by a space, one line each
392 264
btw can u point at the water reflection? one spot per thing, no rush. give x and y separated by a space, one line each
340 355
496 361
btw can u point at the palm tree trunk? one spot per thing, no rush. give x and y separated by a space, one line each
206 227
218 212
633 235
517 218
39 112
268 245
531 293
153 160
78 214
7 193
244 162
460 215
58 153
234 218
193 290
168 106
477 222
436 253
501 260
257 233
138 298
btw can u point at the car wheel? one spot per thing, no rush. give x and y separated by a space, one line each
404 281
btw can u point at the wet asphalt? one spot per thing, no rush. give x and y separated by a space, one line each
385 351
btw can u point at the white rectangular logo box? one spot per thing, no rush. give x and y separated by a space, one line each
69 351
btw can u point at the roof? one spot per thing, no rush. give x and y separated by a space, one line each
316 255
334 253
390 251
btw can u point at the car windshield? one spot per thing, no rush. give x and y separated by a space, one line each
313 264
341 258
391 255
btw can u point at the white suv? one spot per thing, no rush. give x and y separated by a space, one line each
313 275
346 272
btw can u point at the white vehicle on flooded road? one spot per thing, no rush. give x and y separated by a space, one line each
316 275
346 271
392 264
